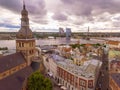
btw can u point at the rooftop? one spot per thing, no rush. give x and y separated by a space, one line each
88 69
113 42
15 81
10 61
115 61
8 52
116 78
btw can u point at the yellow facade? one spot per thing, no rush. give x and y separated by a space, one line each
27 47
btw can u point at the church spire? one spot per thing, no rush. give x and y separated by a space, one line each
24 5
24 32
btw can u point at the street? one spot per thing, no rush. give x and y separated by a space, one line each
103 78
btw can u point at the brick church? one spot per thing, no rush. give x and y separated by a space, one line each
15 68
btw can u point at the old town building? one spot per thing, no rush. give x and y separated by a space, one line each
15 68
70 75
113 44
25 42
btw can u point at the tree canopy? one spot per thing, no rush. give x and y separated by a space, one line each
38 82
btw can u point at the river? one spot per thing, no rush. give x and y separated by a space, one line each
12 45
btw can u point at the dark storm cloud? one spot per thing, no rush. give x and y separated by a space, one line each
13 5
86 7
38 11
35 7
39 19
90 8
59 17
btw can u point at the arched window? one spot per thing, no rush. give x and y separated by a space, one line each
30 52
20 44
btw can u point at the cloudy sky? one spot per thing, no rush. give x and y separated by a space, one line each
49 15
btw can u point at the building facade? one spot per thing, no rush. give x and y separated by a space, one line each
113 44
61 31
68 34
74 82
25 42
15 68
50 65
70 75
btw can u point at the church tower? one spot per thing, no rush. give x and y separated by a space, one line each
25 43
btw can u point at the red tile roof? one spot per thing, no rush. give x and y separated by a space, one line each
113 42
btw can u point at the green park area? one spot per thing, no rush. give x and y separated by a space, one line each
114 54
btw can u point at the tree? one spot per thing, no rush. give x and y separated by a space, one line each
75 46
48 84
37 81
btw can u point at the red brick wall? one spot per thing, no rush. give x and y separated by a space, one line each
90 83
82 82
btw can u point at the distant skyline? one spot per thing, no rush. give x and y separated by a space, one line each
49 15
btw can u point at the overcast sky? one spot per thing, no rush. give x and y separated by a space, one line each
49 15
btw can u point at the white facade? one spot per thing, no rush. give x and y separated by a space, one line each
87 72
50 65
